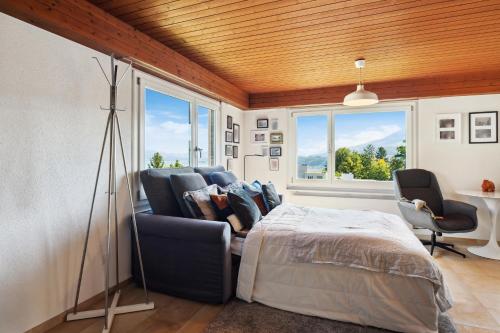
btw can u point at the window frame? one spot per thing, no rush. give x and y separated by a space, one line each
356 185
142 81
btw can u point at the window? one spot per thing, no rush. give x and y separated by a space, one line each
206 137
176 126
369 145
312 146
341 146
167 131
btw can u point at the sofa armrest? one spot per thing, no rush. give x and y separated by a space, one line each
183 257
183 228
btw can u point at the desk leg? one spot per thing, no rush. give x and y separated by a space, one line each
490 250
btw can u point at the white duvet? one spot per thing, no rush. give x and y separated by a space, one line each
361 266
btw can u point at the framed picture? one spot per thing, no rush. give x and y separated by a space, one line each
235 151
229 136
229 150
483 127
229 122
276 138
264 150
274 124
274 151
258 136
236 133
263 123
274 164
448 127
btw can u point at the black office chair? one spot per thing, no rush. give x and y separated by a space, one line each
442 216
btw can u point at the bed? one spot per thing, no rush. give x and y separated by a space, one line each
364 267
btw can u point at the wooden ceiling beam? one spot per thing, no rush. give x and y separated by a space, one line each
463 84
89 25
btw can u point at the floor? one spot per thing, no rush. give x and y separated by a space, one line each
474 283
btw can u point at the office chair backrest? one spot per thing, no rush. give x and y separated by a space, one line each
419 184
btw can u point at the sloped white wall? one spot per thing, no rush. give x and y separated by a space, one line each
51 129
457 166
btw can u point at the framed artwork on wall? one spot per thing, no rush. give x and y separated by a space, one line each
263 123
229 150
274 151
236 133
258 136
448 127
229 136
274 124
235 151
483 127
229 122
276 138
274 164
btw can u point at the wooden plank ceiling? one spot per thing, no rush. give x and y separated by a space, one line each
291 52
265 46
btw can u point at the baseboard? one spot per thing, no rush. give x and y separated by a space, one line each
60 318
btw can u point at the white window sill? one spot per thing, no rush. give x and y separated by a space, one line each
342 192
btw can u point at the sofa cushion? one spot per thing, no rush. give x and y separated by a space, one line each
225 212
254 190
245 208
185 182
271 196
158 188
206 171
200 204
223 178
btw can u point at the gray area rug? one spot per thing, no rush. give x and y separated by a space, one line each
242 317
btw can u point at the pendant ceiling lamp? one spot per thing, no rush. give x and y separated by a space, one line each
360 97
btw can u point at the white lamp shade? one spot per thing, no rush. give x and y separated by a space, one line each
361 97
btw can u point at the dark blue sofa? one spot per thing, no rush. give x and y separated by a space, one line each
182 257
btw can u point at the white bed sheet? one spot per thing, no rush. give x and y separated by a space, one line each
390 301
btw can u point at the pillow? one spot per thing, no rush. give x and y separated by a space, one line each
231 187
225 211
271 196
223 178
206 171
182 183
245 208
254 190
200 203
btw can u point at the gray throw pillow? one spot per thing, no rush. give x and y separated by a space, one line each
200 203
271 196
223 178
182 183
245 208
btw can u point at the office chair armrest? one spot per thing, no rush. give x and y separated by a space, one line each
459 207
417 218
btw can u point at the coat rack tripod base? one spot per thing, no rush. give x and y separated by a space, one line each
111 134
113 310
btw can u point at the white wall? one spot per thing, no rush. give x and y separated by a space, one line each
51 129
457 166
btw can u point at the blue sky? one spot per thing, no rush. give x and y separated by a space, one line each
167 128
354 130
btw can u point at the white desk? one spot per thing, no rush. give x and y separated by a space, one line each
492 200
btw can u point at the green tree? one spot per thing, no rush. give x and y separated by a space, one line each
398 161
352 164
156 162
177 164
381 153
379 170
340 156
